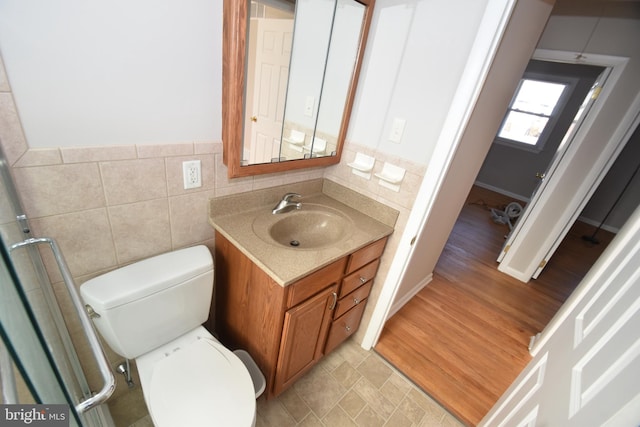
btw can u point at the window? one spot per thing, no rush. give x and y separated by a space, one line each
531 113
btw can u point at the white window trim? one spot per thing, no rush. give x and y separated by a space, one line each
570 82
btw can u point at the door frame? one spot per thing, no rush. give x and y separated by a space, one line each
493 26
560 169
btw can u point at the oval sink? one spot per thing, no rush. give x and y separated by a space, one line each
312 227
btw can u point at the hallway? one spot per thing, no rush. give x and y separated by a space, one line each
464 337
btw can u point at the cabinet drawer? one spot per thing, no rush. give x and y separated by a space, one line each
315 282
344 327
359 278
354 298
366 255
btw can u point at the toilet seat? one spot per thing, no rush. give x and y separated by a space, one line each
201 384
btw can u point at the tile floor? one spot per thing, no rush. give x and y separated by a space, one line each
349 387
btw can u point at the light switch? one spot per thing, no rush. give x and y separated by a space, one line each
396 130
308 106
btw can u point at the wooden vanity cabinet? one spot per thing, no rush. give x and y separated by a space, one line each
287 330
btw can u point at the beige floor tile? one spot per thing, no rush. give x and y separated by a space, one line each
274 414
398 419
143 422
411 410
400 381
320 391
375 370
346 375
374 398
294 405
369 418
450 421
394 392
352 403
310 421
352 353
430 407
338 418
339 391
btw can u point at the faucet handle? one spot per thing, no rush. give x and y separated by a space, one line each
290 196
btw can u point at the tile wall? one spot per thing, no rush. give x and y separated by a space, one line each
110 206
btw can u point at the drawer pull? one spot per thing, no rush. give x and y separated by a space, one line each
335 300
348 328
363 280
356 301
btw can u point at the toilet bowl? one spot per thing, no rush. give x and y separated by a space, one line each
152 311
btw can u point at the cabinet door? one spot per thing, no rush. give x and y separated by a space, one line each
303 337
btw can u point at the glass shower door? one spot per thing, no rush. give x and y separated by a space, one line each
38 360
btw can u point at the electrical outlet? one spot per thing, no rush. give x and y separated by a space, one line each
191 174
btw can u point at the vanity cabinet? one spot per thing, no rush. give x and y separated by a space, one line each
287 330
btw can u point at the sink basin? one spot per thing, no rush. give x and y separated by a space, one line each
312 227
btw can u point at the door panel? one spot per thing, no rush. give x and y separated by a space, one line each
586 363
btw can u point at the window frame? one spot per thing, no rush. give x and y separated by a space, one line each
570 84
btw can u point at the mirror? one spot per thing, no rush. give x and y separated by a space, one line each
290 69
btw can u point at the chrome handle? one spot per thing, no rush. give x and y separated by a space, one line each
363 280
335 300
87 326
540 175
290 196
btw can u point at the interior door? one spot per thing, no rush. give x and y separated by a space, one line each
567 187
270 74
560 147
586 363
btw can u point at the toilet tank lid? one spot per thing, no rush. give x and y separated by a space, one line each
146 277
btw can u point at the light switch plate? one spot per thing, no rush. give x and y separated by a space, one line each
397 129
308 106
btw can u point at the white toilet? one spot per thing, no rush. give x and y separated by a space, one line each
152 311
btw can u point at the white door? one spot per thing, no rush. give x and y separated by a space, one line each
586 365
265 108
570 182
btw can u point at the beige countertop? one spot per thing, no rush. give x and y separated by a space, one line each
242 218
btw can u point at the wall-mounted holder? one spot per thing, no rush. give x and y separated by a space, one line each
362 165
391 176
295 140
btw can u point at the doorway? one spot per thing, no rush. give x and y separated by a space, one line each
481 319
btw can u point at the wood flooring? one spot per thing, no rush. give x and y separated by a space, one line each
464 338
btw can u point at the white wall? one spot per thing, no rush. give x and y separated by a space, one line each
114 73
416 54
121 73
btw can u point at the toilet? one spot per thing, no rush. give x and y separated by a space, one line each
152 311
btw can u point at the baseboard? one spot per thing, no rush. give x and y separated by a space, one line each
525 200
605 227
397 305
503 192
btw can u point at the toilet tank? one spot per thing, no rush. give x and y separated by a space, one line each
149 303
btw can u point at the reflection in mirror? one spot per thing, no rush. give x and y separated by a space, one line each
290 69
323 61
269 44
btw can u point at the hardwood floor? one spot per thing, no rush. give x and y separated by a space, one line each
463 338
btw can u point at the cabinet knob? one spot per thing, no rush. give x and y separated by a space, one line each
348 328
363 280
356 301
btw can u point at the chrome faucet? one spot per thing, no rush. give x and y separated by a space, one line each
286 205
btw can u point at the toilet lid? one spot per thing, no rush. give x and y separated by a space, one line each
202 384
